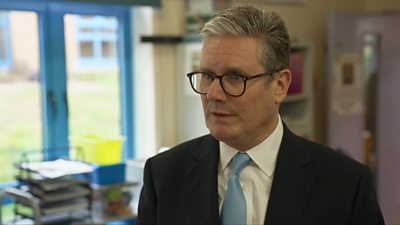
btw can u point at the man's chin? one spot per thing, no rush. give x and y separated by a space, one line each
222 135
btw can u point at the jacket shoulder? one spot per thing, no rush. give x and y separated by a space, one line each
322 157
329 160
185 148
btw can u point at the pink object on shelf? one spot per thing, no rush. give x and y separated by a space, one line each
297 69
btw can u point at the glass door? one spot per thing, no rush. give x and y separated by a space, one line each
93 75
20 89
98 55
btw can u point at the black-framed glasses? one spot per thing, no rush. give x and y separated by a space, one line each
232 84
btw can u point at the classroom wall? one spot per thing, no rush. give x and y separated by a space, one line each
307 23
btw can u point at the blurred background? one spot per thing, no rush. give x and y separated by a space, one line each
78 68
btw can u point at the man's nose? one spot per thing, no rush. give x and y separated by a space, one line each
215 92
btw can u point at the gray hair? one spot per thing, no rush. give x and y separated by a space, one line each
247 21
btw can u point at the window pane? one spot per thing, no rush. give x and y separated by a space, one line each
93 91
96 38
86 49
108 49
20 114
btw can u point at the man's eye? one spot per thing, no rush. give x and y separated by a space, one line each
207 77
234 77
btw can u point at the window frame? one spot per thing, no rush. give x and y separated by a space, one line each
53 61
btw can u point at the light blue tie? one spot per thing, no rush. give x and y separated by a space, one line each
234 209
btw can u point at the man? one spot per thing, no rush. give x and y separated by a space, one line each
284 179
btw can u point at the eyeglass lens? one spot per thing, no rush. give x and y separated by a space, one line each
232 84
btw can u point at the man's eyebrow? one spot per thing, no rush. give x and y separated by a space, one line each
235 71
205 70
226 71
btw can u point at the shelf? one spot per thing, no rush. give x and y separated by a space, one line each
297 108
161 39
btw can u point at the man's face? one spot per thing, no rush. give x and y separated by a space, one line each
241 122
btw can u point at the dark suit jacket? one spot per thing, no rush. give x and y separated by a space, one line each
312 185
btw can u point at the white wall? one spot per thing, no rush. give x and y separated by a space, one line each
144 84
190 122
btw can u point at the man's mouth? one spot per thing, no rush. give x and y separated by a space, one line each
221 114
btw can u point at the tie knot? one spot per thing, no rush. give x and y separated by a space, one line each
240 160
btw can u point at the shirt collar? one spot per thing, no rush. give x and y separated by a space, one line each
263 155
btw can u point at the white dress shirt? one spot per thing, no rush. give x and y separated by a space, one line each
256 178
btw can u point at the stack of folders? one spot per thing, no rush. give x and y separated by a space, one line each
60 197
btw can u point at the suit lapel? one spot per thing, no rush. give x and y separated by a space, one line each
202 181
292 182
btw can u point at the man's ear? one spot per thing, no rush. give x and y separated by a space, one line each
283 81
